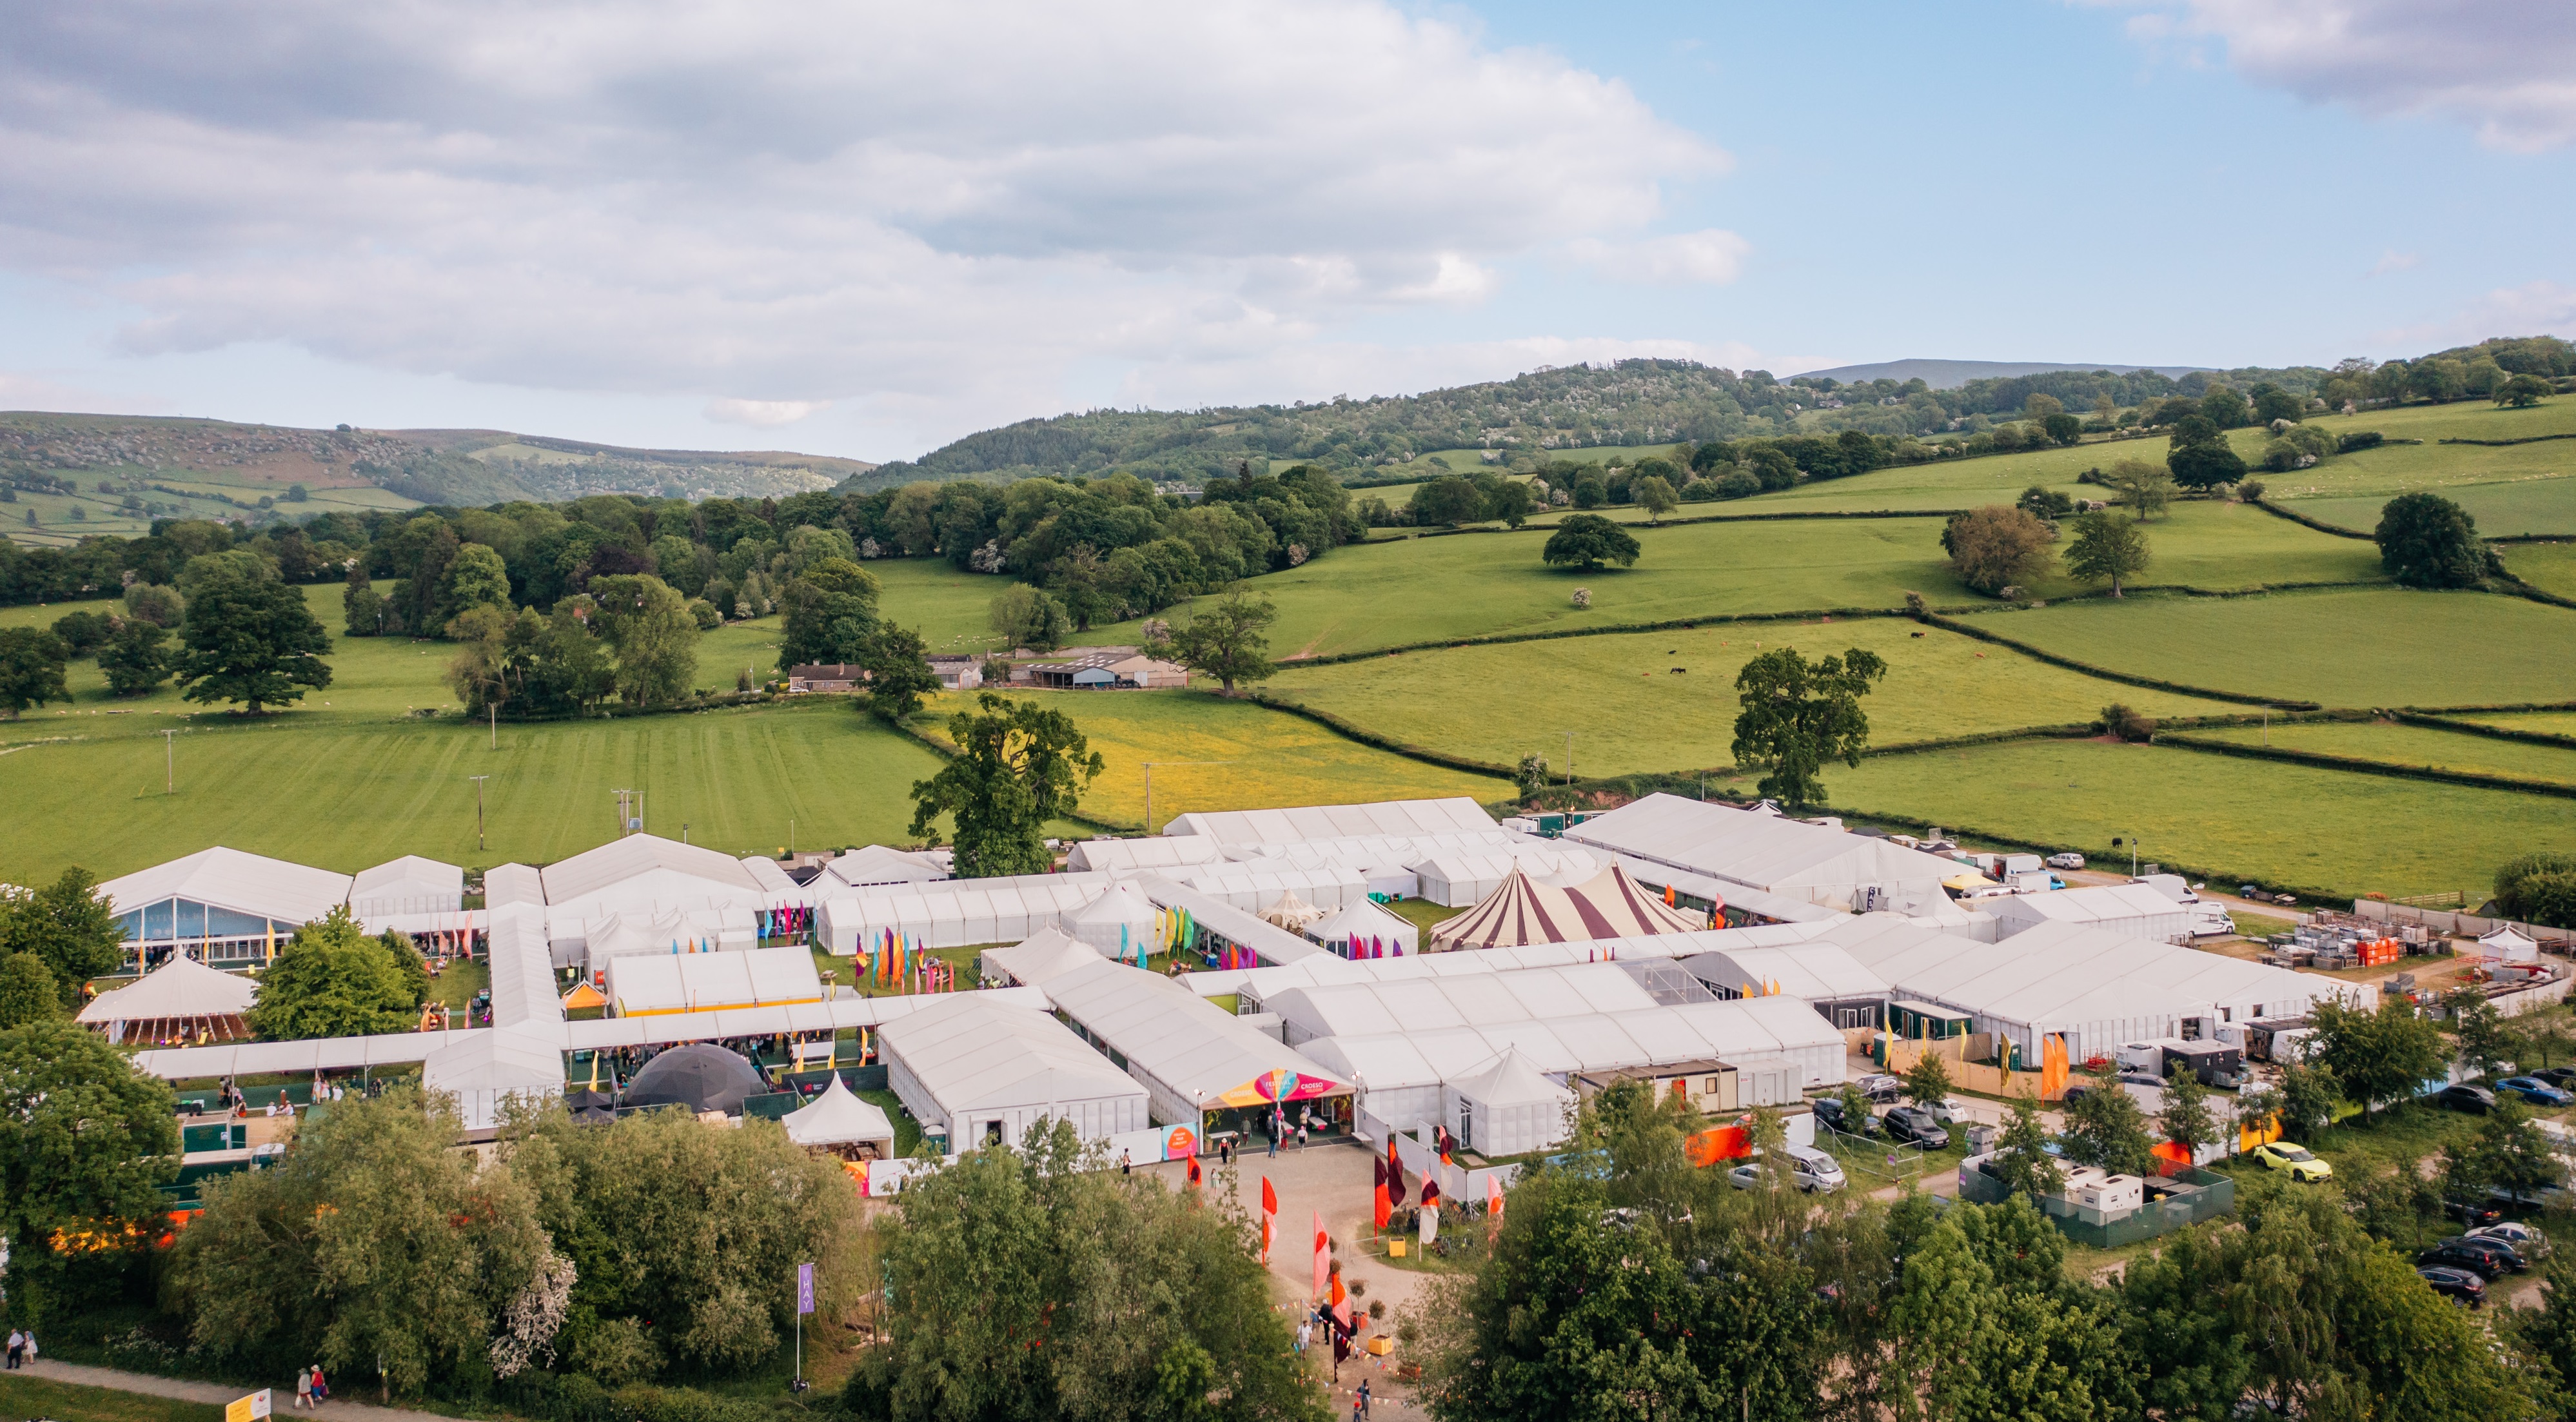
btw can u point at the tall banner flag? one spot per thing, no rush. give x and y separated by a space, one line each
1494 1198
1379 1168
1323 1254
1269 1218
1394 1174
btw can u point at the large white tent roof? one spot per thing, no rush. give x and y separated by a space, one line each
839 1117
2142 911
972 1055
410 884
1048 953
1814 972
1192 1051
635 856
1154 852
1511 1081
1753 1029
1365 919
230 879
1450 816
877 864
182 987
1481 1000
1255 884
523 976
702 982
1769 852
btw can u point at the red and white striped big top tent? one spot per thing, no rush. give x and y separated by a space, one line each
1610 904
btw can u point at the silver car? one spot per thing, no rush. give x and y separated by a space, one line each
1811 1170
2527 1239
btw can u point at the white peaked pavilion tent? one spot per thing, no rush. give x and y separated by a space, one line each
181 999
220 904
1119 923
1459 878
1509 1108
1367 923
1608 905
1456 815
1770 852
1192 1056
978 1072
1161 852
1043 955
2504 945
876 864
839 1118
1292 913
487 1068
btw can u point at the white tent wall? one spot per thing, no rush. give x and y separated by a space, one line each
1507 1109
1370 923
1242 927
2130 910
405 886
1163 852
1253 885
955 913
493 1066
1458 814
1118 922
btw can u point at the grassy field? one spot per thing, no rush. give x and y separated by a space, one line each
2550 567
2370 647
24 1396
2395 468
346 796
2547 723
1272 758
2395 744
2215 814
2533 504
1630 713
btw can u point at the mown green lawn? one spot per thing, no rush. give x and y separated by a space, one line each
25 1396
2395 744
2247 820
2533 504
2366 647
1631 712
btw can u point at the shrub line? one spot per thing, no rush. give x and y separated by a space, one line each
2501 443
2360 765
2105 673
1670 624
2476 728
2320 525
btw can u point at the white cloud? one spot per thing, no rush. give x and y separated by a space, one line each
2392 260
926 213
763 412
2507 70
1715 256
23 391
2534 308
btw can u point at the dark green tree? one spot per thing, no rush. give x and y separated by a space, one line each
1927 1082
85 1141
2105 1128
1796 715
2538 888
2379 1056
251 642
333 980
2187 1120
2523 391
2108 548
31 669
1655 495
69 926
28 991
648 626
2308 1095
135 660
830 611
1030 617
1447 503
899 674
2022 1161
83 632
1018 768
1224 640
2427 541
1586 541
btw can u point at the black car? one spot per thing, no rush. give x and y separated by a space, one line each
2558 1076
1829 1113
2485 1258
1880 1089
2461 1284
2475 1213
2464 1097
2074 1094
1916 1125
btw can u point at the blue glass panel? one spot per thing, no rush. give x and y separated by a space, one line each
224 923
156 920
192 919
130 926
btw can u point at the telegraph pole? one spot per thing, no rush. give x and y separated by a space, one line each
169 762
478 810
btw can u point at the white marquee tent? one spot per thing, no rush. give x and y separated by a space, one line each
1254 885
1772 853
489 1067
979 1072
1043 955
646 985
838 1117
1456 815
1456 880
876 864
1191 1056
182 997
2130 910
1506 1109
1158 852
1368 923
955 913
1481 1000
1117 924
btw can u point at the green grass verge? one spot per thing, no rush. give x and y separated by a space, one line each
2546 723
2410 746
2393 469
2533 504
1269 757
2550 567
25 1396
1630 713
2231 819
2366 647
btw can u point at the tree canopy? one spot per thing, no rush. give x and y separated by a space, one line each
1224 640
68 926
1998 546
85 1142
333 980
2107 548
899 674
1586 541
1798 714
252 642
2427 541
31 669
831 612
1018 767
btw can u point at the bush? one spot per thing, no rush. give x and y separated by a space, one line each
2358 439
1995 547
2118 720
2538 888
708 619
2427 541
1736 483
2250 491
83 632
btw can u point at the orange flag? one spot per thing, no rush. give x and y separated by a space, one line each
1323 1253
1269 1217
1494 1198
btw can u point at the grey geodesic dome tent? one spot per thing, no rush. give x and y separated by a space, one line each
697 1076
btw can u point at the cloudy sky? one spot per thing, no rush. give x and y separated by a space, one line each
865 229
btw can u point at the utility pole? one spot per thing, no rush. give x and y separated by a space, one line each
169 762
495 709
478 810
1149 784
1569 757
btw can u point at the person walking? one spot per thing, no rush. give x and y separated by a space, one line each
303 1388
1364 1397
1274 1140
1126 1163
321 1389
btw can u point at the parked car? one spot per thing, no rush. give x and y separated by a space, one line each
2527 1239
2535 1091
2464 1097
2074 1094
1811 1170
1829 1113
2473 1213
2143 1078
1881 1088
2556 1076
2483 1258
1915 1125
1950 1111
2068 860
2303 1164
2460 1284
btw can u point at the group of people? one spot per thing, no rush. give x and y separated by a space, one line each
22 1347
310 1390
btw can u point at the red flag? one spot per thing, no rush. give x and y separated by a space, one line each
1266 1223
1269 1218
1323 1253
1494 1198
1194 1172
1430 1192
1394 1173
1269 1197
1378 1167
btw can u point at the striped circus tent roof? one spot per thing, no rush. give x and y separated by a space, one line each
1610 904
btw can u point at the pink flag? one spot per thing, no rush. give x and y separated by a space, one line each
1323 1252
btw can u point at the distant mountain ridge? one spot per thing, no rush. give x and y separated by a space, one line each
1952 374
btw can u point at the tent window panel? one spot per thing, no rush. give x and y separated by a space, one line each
157 920
192 919
130 926
224 923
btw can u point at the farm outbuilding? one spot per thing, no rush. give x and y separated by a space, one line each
1770 852
2130 910
981 1073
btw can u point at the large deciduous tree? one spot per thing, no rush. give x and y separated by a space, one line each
85 1142
135 659
2105 1128
1018 766
333 980
899 674
1586 541
1997 546
2538 888
250 642
31 669
649 628
829 612
2107 548
66 924
2386 1055
1029 617
1224 640
2427 541
1796 715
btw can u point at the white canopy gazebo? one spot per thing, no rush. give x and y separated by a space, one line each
2504 945
182 1000
1291 912
1507 1108
1375 931
839 1120
1119 923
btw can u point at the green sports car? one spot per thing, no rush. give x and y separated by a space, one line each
2303 1166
